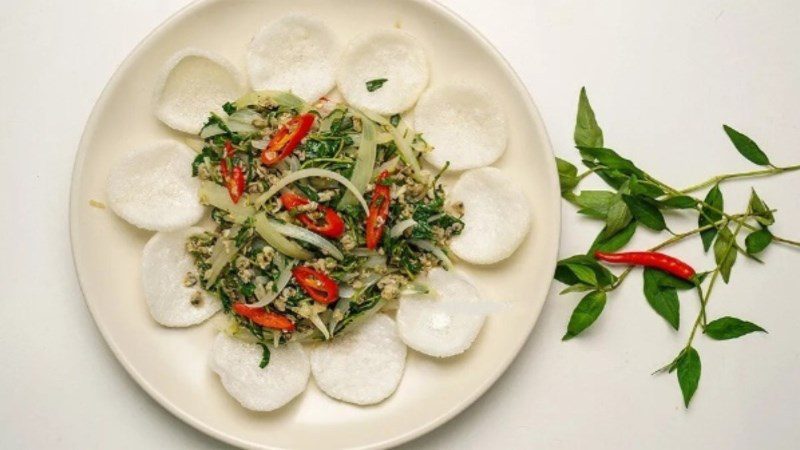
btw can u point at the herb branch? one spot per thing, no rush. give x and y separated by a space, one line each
637 199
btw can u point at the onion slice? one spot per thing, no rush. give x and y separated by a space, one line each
300 233
365 162
268 297
218 197
284 99
436 251
401 226
274 238
313 172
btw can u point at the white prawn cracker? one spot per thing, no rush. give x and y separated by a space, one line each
193 84
393 56
260 389
152 187
171 282
445 322
464 125
363 366
295 53
496 218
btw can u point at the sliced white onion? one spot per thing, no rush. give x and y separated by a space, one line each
346 292
280 284
294 163
363 251
218 197
221 254
436 251
195 144
314 172
376 262
373 116
274 238
389 166
244 115
211 131
285 99
320 324
342 306
239 127
260 144
302 234
400 227
365 162
404 145
435 217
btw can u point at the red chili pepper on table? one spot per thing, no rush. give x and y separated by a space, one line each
331 224
316 284
378 211
266 319
286 139
655 260
235 181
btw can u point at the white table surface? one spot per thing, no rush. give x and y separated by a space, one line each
663 77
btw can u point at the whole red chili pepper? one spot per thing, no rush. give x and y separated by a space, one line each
655 260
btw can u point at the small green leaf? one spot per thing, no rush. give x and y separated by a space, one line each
587 131
679 202
264 356
645 188
584 315
612 177
711 215
758 207
618 217
689 368
614 242
725 252
229 108
584 273
567 175
757 241
746 147
663 299
728 327
576 288
594 203
566 268
645 212
374 85
610 159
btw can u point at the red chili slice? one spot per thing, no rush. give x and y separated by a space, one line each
286 139
266 319
330 225
235 181
378 211
316 284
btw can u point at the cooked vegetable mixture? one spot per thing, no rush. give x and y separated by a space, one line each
323 216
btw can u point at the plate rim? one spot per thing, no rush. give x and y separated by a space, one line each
221 435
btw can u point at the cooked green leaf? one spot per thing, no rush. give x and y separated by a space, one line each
746 146
584 315
264 356
709 214
374 85
689 368
587 131
757 241
645 212
728 327
725 252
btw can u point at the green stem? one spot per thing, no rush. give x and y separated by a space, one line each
731 176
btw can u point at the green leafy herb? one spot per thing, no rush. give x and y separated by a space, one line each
229 108
689 368
264 356
584 315
728 327
746 147
638 198
374 85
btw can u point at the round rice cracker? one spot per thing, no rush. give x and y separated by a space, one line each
193 84
237 364
388 54
364 366
165 266
295 53
446 323
464 125
152 187
497 216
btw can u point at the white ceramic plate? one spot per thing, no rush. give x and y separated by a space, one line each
172 364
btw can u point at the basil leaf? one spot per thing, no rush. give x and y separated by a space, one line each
645 188
758 207
587 131
566 271
610 159
584 315
689 368
757 241
576 288
594 203
708 216
614 178
746 147
645 212
567 175
679 202
374 85
725 252
618 217
663 299
611 243
264 356
728 327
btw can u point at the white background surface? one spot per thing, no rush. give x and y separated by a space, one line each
662 78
